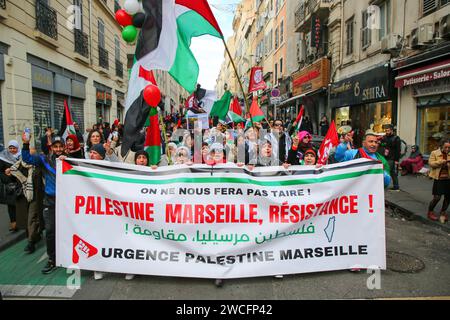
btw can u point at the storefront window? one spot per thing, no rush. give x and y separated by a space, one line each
434 125
365 117
342 116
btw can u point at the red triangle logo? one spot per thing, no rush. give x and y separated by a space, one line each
79 245
66 167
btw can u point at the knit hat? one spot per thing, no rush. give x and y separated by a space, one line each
99 149
311 151
303 134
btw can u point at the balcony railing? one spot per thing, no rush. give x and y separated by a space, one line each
46 20
308 7
81 43
103 58
3 4
299 14
119 69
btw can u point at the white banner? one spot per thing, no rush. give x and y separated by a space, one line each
221 222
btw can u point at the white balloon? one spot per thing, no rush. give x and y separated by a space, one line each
132 6
142 7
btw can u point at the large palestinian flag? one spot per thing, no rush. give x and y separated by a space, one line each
165 38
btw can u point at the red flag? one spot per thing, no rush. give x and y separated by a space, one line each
236 107
299 119
331 140
255 111
256 80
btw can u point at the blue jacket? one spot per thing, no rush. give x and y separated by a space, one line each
47 163
351 154
340 151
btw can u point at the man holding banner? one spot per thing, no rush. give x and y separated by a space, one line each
369 151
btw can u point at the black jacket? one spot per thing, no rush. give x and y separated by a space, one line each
391 147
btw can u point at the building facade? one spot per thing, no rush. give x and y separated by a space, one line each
53 51
364 63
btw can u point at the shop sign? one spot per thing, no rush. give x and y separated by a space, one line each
427 77
275 100
312 78
104 97
41 78
431 88
367 87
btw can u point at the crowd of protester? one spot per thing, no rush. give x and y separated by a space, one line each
27 174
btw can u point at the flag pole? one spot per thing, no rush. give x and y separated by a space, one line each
239 79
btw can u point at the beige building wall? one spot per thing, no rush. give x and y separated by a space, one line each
411 17
18 32
269 44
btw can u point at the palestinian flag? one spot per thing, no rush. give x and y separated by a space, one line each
201 101
220 107
299 119
165 39
153 138
137 112
235 112
67 126
256 113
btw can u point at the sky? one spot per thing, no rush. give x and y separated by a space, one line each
209 51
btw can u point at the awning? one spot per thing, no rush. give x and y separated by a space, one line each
429 73
299 96
291 99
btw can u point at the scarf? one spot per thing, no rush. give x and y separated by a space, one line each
27 182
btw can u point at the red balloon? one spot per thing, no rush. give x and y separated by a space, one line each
152 95
123 18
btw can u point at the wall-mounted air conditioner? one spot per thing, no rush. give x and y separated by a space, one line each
444 27
426 33
391 42
415 39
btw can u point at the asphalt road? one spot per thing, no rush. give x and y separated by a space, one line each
420 242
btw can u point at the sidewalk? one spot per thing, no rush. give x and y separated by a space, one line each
413 199
8 238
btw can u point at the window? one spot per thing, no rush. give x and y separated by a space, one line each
281 32
101 34
117 47
78 12
366 33
430 6
349 35
276 74
385 16
281 67
276 38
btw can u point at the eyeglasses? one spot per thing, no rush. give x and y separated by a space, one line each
181 155
277 125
